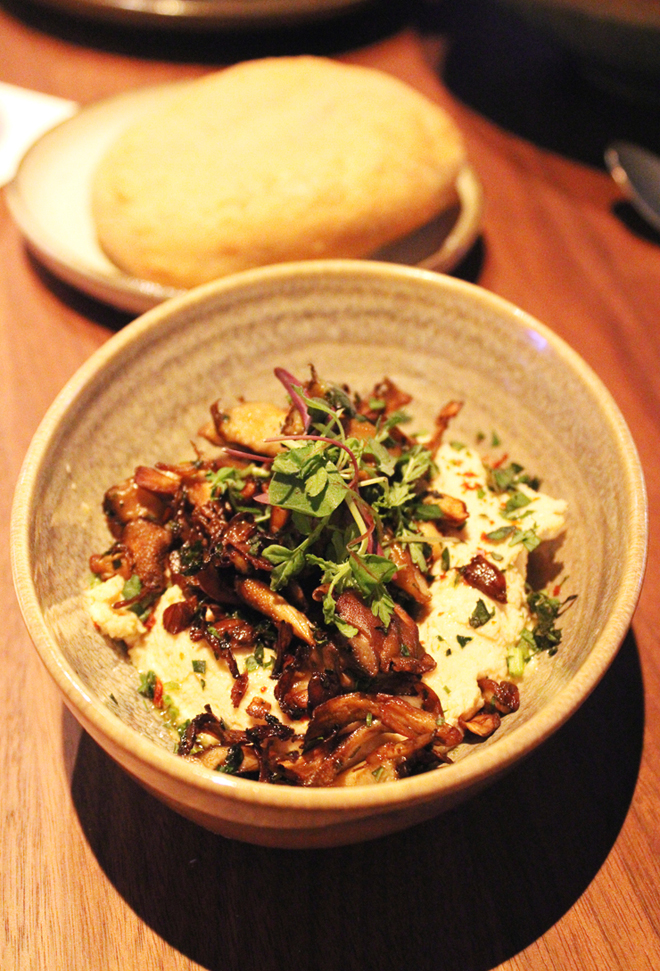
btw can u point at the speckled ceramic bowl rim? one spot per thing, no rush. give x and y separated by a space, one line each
467 773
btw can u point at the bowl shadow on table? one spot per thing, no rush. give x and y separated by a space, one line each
81 303
626 213
464 891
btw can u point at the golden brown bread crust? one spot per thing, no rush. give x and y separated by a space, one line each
269 161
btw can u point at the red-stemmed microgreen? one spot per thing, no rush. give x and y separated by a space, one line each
294 390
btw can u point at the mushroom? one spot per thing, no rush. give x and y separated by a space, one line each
258 595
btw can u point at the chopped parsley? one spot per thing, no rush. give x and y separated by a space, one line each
132 587
190 558
258 659
505 478
147 686
233 760
546 610
544 635
502 532
480 615
527 537
517 500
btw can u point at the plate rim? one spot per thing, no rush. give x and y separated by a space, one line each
204 13
136 295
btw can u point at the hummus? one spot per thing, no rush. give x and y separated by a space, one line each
192 677
466 653
335 607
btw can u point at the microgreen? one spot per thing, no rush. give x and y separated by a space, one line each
348 497
294 388
306 480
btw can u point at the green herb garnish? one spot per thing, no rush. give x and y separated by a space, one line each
480 615
547 636
500 533
233 760
518 500
147 684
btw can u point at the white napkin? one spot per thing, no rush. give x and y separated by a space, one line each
24 116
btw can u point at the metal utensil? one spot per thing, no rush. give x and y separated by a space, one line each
637 171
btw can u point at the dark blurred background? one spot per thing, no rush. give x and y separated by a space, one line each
529 79
508 66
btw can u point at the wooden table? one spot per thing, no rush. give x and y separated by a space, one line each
555 867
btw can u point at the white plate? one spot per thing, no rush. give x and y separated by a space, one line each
49 199
24 116
203 13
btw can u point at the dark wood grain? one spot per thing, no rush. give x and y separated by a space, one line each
555 867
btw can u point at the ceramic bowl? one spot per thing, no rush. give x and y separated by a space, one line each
142 396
